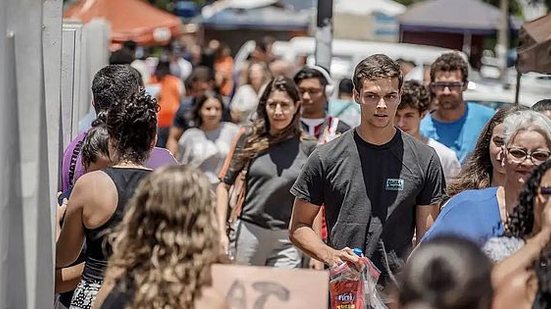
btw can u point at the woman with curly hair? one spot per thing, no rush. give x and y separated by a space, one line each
272 151
165 245
480 214
483 168
98 200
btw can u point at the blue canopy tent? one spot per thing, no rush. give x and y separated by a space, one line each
455 24
265 18
236 22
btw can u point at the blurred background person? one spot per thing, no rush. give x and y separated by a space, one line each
412 108
345 107
245 100
171 91
200 81
99 198
484 168
316 87
165 245
446 273
223 68
273 151
207 145
455 123
480 214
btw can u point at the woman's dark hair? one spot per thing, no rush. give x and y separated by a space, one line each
447 273
95 144
477 172
521 222
260 138
542 269
132 127
201 101
162 69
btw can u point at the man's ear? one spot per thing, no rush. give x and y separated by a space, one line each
356 96
465 85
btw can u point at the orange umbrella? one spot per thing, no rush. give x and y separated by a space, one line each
134 20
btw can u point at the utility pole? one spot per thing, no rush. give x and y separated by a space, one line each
324 33
503 39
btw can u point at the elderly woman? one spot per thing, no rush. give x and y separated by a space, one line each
480 214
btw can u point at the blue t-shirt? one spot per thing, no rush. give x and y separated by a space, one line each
472 214
462 134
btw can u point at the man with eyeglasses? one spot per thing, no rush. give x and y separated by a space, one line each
316 86
378 185
455 123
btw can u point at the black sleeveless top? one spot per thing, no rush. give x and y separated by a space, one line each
97 251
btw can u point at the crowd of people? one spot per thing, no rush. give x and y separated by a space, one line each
189 164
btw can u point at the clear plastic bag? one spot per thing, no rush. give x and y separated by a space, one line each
353 288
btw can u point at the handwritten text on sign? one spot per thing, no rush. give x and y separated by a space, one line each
248 287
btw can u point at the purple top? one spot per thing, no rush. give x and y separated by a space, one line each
72 167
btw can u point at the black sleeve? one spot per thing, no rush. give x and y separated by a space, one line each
435 183
309 184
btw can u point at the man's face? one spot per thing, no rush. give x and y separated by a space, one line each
200 87
379 100
313 97
408 119
448 87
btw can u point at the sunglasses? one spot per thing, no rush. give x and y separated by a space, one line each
545 191
441 86
536 156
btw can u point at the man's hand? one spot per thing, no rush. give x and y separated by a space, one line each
336 257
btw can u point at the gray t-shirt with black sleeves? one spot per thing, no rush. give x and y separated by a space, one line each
271 174
371 192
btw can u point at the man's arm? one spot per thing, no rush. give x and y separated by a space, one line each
302 235
425 215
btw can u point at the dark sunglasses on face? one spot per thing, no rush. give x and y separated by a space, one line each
441 86
545 191
536 156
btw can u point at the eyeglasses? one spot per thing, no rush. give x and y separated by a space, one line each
441 86
285 107
545 191
536 156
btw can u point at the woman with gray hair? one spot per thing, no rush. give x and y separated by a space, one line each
479 215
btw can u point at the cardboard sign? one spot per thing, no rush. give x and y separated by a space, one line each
248 287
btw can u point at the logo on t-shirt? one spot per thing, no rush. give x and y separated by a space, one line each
394 184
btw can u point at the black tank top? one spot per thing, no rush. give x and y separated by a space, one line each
97 250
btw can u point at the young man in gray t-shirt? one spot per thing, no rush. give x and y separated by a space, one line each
378 184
